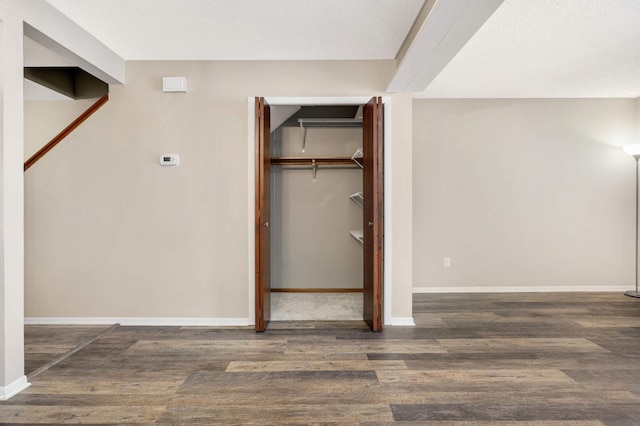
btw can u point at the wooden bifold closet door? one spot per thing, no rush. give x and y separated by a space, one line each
372 147
262 214
373 212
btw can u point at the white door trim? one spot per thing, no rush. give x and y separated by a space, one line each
388 234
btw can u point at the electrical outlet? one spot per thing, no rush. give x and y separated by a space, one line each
447 262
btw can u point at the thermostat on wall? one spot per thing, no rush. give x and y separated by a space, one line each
169 160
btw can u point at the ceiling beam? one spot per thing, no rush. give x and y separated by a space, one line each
441 29
52 29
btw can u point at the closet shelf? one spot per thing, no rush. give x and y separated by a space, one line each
330 122
358 235
344 123
357 198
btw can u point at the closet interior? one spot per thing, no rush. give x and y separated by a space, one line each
316 203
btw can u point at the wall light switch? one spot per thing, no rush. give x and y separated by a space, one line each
447 262
170 160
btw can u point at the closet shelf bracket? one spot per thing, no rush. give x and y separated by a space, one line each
358 235
303 132
357 158
357 198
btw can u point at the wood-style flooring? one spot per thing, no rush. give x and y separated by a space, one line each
474 359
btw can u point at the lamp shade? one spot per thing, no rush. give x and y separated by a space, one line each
632 149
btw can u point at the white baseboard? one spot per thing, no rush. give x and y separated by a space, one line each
180 322
523 289
153 321
402 322
13 388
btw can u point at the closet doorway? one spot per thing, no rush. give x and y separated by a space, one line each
370 160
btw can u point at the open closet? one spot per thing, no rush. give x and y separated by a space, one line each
318 218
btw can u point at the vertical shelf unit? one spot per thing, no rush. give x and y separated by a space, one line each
358 197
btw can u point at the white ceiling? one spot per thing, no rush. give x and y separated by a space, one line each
527 48
246 29
549 49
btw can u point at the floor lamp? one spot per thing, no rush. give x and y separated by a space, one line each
634 150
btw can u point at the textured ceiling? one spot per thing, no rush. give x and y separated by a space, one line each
246 29
526 49
549 49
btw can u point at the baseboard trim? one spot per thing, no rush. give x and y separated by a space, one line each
125 321
402 322
14 388
523 289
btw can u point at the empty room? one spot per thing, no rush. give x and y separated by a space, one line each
319 212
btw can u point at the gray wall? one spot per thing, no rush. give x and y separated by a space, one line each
311 220
109 233
523 194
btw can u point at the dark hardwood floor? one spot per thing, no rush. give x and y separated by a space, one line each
44 344
474 359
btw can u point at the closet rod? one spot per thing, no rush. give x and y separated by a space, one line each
308 161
